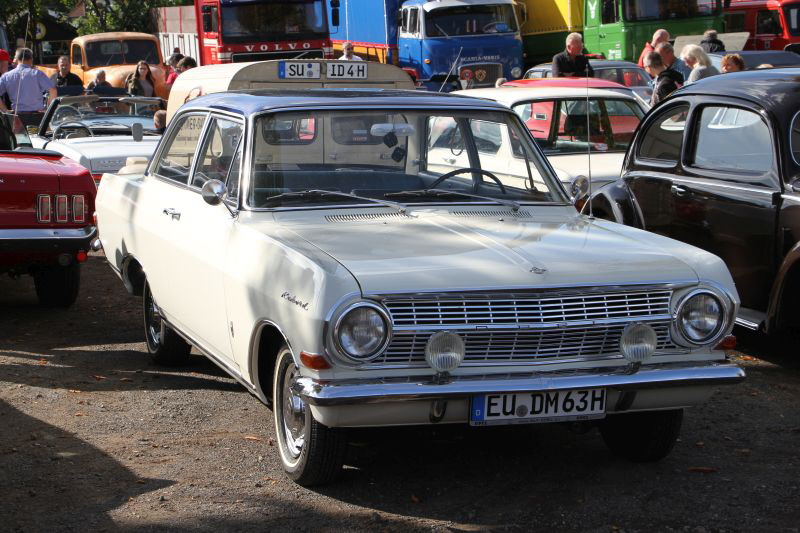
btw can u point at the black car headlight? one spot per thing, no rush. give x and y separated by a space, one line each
700 317
362 331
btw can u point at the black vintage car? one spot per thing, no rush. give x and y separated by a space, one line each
717 165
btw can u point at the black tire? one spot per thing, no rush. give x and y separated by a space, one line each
642 437
311 453
58 286
166 347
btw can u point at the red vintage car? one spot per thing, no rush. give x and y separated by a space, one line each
46 215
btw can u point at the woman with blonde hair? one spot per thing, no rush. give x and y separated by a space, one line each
141 82
697 60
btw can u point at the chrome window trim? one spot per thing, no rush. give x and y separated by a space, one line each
791 128
150 170
212 117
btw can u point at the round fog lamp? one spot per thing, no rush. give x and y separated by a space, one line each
638 342
516 72
444 351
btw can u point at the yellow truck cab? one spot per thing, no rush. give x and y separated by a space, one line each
284 74
117 53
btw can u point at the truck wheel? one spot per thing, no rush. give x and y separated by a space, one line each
58 286
312 454
642 437
166 347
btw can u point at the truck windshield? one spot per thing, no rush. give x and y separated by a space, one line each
274 20
637 10
128 52
470 20
404 156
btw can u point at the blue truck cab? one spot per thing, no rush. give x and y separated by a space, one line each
450 43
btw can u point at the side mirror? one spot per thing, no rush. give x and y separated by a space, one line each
579 188
335 12
795 185
213 192
137 130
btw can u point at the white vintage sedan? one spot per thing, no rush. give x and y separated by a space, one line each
318 246
558 121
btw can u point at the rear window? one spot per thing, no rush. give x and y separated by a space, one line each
732 139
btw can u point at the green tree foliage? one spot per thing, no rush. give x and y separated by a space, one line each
118 15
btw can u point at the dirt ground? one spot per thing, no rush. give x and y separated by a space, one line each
93 437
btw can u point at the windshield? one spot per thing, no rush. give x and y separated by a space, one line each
470 20
128 52
274 20
396 156
107 113
636 10
559 126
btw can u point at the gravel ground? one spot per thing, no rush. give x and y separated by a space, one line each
94 438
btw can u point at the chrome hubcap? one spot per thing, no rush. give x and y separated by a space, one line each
294 415
154 320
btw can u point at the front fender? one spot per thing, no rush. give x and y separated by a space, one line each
616 203
789 270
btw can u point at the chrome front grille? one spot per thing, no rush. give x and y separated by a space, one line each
471 311
525 329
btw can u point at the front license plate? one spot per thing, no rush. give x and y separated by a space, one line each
537 407
296 70
348 70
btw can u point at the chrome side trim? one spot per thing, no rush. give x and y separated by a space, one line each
366 391
48 233
743 322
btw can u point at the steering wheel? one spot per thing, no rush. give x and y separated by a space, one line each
458 171
490 26
65 112
71 125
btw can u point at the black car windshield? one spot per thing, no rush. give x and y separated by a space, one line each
404 156
559 126
105 113
276 19
470 20
127 52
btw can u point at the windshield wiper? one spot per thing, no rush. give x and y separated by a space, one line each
437 193
320 193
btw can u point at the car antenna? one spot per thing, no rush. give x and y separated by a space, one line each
451 68
588 140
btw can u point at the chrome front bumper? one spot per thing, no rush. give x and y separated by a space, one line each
371 391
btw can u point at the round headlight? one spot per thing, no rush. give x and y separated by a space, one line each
638 342
444 351
362 332
700 317
516 72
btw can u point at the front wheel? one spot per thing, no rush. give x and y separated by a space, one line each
311 453
642 437
166 347
58 286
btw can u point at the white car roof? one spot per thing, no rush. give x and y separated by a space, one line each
510 96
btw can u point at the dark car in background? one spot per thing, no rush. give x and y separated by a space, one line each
754 58
622 72
717 165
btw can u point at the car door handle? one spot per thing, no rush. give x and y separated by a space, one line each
176 215
677 190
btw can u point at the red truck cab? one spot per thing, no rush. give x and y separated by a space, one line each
46 215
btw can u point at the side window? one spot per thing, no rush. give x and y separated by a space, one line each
178 154
487 136
76 55
232 183
768 22
413 20
610 11
733 139
664 137
735 22
218 151
210 19
404 20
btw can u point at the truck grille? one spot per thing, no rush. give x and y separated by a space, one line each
524 329
290 54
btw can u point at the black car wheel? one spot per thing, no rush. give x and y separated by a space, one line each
311 453
642 437
166 347
58 286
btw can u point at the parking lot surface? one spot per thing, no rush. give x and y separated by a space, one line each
95 437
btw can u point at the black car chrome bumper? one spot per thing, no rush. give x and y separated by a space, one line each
366 391
56 240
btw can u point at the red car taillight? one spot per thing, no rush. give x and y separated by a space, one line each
78 208
44 208
61 208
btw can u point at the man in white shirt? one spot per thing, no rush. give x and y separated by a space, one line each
348 55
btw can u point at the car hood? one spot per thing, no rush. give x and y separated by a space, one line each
486 249
605 168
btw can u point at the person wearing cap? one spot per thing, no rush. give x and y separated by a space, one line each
5 59
24 86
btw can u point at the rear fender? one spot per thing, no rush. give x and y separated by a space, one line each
786 283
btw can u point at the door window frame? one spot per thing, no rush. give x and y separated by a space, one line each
172 131
202 145
662 163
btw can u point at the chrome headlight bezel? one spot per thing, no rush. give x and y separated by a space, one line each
726 305
339 349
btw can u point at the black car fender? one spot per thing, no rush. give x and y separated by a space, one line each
784 298
616 203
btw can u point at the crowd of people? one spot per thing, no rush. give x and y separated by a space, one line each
669 71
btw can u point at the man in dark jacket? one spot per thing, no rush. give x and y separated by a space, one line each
711 42
63 76
572 62
666 79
